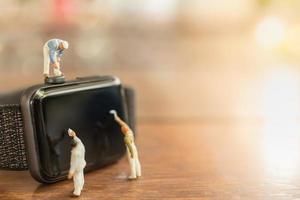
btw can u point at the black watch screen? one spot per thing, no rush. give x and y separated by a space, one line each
87 113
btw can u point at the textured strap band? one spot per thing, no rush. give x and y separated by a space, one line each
12 147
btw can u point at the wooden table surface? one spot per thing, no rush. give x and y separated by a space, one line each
188 160
190 91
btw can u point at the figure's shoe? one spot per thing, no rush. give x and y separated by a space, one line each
73 195
57 72
46 75
132 177
76 193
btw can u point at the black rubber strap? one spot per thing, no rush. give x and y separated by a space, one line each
12 147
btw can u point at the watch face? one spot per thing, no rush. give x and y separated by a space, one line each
86 111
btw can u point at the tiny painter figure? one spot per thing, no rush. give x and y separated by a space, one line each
77 163
53 51
133 158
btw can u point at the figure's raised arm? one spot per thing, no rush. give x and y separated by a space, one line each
117 118
124 127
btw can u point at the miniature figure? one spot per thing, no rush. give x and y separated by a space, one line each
135 166
77 163
53 51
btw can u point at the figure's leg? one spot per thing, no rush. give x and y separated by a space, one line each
46 60
82 179
132 166
78 183
56 71
138 167
136 161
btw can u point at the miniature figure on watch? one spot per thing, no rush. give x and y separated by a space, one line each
77 163
53 51
133 158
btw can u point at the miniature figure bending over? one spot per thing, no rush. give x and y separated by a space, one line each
133 158
77 163
53 51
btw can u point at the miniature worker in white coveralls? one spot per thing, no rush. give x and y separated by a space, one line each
133 158
53 51
77 163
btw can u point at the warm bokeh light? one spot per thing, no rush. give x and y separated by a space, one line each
281 93
281 142
270 31
281 133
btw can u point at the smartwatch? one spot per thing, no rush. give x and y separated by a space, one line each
34 123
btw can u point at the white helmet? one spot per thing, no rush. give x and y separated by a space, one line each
65 44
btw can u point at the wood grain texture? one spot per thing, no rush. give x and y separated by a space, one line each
213 160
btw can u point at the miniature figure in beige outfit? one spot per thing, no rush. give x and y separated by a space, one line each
133 158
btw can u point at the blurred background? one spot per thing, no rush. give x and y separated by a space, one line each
226 66
189 60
